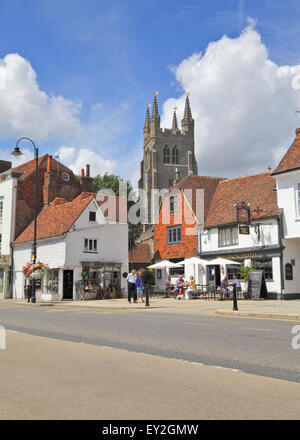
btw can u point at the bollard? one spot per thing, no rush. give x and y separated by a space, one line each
235 307
147 298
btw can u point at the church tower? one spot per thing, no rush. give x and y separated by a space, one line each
168 155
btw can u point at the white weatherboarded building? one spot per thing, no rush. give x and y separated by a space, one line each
84 249
287 176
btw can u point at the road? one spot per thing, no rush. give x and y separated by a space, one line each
54 379
256 346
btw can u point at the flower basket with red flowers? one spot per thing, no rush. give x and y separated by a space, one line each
35 270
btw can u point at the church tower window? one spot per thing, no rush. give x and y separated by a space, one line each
175 156
166 154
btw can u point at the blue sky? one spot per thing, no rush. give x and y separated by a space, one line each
106 58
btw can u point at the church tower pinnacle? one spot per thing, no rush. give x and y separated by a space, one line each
147 124
155 118
174 123
187 122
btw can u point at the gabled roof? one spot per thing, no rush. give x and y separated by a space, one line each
141 253
291 159
256 189
57 218
28 168
192 182
115 209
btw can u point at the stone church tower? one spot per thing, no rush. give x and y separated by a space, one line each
169 155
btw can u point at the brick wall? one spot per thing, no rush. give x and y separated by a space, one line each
188 246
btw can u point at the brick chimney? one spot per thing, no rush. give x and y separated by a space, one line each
86 182
50 184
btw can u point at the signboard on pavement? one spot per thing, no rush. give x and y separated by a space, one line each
257 287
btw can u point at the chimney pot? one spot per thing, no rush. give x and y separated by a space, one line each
88 170
82 172
49 164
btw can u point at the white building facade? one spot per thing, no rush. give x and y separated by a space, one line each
92 254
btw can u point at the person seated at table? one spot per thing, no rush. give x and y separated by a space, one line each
191 287
179 284
169 286
224 287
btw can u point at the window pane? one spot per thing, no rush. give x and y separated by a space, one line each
90 245
179 234
95 245
86 244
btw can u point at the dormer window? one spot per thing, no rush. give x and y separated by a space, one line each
166 154
92 216
175 156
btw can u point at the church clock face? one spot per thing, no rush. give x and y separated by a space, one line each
65 176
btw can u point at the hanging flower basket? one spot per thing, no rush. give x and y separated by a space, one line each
35 270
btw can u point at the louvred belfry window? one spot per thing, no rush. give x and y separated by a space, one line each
175 156
166 154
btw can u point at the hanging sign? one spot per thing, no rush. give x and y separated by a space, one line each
244 230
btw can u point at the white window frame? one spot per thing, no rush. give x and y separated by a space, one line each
90 245
231 238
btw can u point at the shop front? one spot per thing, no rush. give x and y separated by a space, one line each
5 273
267 259
101 280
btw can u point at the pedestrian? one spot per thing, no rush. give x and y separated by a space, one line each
140 285
224 287
131 280
236 283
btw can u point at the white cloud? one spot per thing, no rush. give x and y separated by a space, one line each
26 109
244 105
77 159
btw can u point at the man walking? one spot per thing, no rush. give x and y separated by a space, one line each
131 280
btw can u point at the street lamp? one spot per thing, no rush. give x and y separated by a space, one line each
17 152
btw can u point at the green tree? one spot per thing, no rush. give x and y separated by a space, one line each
112 181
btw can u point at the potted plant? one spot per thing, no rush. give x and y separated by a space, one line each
35 270
245 274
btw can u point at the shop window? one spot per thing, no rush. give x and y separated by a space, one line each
288 272
92 216
174 235
173 204
228 236
233 270
265 264
90 245
166 154
1 209
52 281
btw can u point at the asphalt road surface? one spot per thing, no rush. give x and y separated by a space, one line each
257 346
53 379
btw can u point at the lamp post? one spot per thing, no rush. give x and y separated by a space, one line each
17 152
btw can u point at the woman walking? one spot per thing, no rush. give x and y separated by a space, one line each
140 285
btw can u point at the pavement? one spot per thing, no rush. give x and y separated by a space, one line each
56 379
266 309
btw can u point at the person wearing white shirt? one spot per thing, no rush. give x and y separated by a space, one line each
131 280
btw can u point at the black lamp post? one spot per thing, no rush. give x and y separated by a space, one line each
17 152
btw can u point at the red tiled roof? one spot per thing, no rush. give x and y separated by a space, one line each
141 253
192 182
291 159
57 218
29 167
115 208
256 189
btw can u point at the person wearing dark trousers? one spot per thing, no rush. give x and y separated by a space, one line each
131 280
